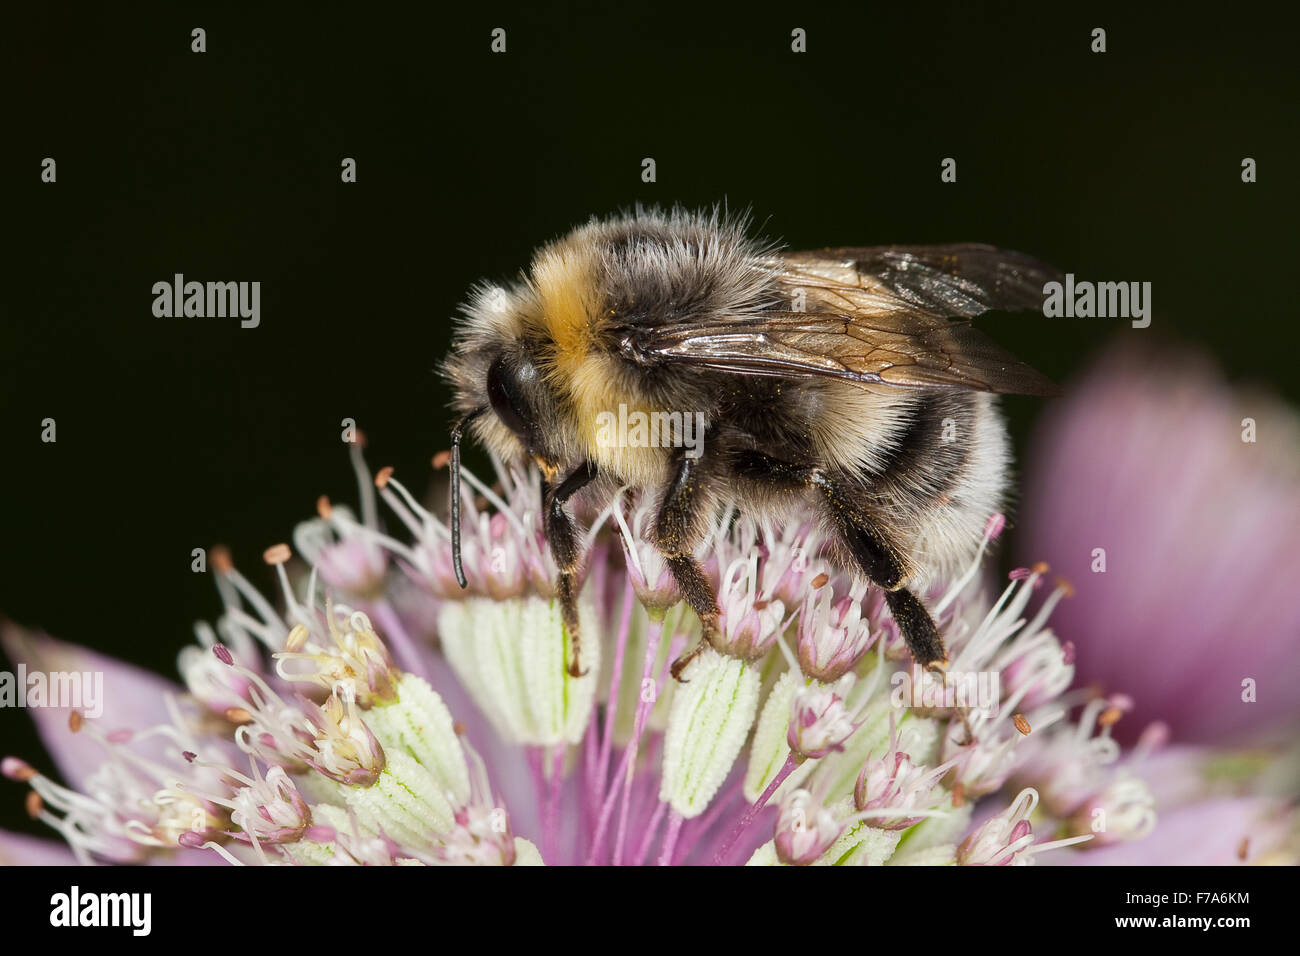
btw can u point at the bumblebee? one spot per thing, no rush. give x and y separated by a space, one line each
846 379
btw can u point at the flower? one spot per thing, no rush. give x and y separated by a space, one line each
832 639
821 722
1216 805
893 782
1171 502
1008 838
806 830
347 553
319 729
1170 499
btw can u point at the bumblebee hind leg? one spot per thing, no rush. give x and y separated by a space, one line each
917 628
875 554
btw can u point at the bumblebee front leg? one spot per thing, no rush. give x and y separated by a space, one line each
682 514
562 536
878 557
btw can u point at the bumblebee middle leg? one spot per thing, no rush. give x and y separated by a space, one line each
875 554
677 531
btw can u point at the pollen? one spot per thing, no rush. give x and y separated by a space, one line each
221 560
16 769
277 554
296 639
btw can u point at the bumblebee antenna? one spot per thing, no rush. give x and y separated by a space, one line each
455 494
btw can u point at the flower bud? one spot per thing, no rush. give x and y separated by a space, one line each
805 830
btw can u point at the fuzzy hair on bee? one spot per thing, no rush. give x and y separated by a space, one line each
848 380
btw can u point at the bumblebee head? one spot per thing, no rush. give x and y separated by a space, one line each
500 390
497 373
515 392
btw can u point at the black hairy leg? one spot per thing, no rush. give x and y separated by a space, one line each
878 557
676 534
562 537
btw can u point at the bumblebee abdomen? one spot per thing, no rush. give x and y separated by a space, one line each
936 476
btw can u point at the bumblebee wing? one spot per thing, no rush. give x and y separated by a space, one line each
873 316
959 280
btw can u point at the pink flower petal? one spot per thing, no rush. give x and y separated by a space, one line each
1195 608
1205 834
132 698
18 849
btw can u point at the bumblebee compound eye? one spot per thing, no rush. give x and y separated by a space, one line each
505 387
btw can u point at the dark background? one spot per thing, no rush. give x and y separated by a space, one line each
180 433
